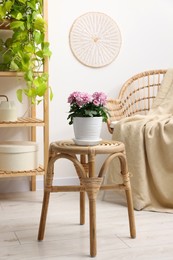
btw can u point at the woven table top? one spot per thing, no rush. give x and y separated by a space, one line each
104 147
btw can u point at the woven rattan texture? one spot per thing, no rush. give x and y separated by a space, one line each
136 95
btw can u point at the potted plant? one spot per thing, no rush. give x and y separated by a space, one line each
87 112
26 49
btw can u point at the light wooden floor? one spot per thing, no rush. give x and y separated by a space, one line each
66 239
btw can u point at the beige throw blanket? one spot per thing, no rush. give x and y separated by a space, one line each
149 148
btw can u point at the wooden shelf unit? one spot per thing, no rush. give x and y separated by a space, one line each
31 121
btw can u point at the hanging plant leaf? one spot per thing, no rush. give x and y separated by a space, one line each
19 93
23 1
17 24
39 24
13 65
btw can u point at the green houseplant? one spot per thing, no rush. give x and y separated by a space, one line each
26 49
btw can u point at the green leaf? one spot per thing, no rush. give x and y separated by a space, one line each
22 1
39 24
13 66
39 101
19 16
17 24
41 90
24 63
2 13
44 77
21 36
8 5
8 42
46 50
1 42
51 93
39 54
29 76
19 94
47 53
38 37
29 48
32 5
30 92
7 57
28 25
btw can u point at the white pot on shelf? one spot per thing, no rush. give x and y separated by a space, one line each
7 110
87 130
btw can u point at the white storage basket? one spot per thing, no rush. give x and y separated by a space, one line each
18 155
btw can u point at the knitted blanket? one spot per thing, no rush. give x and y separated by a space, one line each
149 149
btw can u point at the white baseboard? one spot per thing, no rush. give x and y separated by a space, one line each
19 184
22 184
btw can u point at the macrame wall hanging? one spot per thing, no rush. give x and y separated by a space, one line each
95 39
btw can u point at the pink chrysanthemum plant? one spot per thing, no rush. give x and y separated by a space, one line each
85 105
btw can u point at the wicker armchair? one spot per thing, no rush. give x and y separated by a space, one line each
135 97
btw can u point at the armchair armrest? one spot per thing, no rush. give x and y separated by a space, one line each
115 110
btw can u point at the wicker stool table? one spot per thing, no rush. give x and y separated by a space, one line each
90 182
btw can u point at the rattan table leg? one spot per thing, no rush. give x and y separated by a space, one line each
43 215
82 208
131 213
126 182
82 194
92 186
93 237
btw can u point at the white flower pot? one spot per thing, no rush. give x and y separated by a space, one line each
87 130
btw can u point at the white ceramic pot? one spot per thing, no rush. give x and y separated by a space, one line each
7 110
87 130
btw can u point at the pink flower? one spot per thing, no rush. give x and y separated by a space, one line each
96 102
80 98
72 97
99 98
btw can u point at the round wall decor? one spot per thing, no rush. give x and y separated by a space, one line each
95 39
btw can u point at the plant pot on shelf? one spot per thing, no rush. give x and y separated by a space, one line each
87 130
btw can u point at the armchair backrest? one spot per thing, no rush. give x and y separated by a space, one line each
136 95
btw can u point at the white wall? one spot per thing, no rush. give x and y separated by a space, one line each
147 40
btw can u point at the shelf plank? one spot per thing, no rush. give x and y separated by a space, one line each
11 74
15 73
23 122
7 174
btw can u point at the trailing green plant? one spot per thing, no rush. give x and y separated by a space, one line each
26 49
